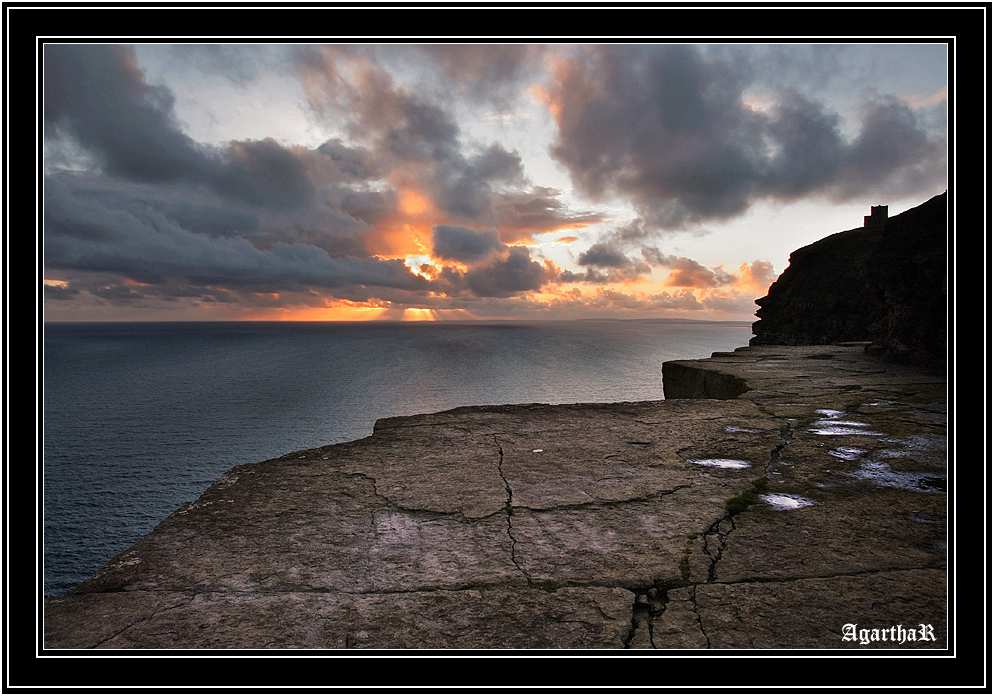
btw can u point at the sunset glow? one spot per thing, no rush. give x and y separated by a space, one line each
476 181
419 314
413 204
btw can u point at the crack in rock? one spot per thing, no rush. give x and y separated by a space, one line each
716 534
649 605
786 437
144 620
692 593
509 508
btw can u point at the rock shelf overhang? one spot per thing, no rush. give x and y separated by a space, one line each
588 526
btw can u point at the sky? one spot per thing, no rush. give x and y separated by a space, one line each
467 181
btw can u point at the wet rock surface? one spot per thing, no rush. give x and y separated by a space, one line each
812 500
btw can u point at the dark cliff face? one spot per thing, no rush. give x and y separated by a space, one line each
885 284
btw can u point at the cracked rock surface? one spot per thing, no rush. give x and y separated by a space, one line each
571 526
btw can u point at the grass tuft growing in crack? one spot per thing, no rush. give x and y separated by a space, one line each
741 502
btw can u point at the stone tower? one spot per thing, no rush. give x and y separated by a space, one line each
878 214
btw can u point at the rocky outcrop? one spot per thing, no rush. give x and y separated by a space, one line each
884 284
686 380
811 502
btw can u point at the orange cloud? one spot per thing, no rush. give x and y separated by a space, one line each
412 203
757 276
542 95
394 239
561 69
405 231
916 101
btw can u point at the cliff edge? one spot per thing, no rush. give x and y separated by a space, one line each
810 502
884 283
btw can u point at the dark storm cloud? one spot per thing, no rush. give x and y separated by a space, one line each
97 95
156 253
603 256
409 131
102 230
891 152
265 173
506 277
619 267
463 244
353 164
163 219
211 218
667 128
253 215
60 293
495 269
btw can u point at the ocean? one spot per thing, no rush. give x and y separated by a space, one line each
141 418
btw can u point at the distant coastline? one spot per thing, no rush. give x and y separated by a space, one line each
481 322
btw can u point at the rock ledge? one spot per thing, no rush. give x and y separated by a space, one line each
798 490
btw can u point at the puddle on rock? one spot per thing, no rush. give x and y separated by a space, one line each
782 501
883 475
738 429
831 425
722 463
847 453
928 449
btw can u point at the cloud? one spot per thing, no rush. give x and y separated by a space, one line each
95 96
514 274
618 267
238 63
137 211
891 153
521 215
758 275
610 301
84 84
916 101
463 244
604 256
83 233
490 72
687 272
668 129
254 215
416 139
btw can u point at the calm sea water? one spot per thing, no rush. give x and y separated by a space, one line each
141 418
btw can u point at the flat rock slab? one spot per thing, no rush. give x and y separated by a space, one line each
812 500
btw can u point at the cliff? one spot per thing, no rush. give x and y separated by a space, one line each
807 497
884 283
